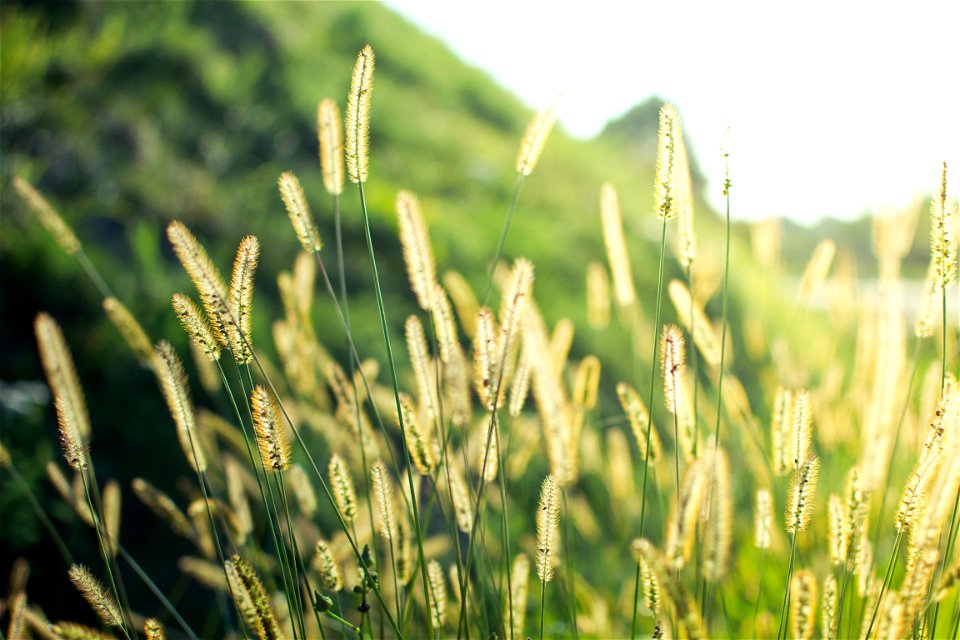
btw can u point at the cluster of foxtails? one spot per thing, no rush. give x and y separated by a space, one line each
419 483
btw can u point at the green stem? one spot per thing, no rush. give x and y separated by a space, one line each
653 377
571 574
786 589
103 551
886 580
396 393
503 237
543 590
723 322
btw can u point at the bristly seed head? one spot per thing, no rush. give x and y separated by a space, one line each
536 138
330 137
343 491
548 522
417 254
271 435
96 594
241 298
665 187
299 211
357 124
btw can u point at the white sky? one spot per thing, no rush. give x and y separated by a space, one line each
834 107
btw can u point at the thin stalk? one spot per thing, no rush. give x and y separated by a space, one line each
156 591
571 575
298 556
543 590
353 362
693 362
293 553
951 536
886 580
93 274
653 378
396 393
723 322
893 450
503 237
786 590
943 356
114 565
103 551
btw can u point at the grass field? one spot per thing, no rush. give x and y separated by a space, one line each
576 411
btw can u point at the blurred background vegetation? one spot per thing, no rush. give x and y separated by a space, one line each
129 115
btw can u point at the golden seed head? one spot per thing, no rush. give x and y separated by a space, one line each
616 243
330 137
803 605
303 490
682 523
830 609
463 509
763 519
196 326
111 515
97 595
536 138
327 567
519 385
131 331
48 216
665 188
781 430
417 254
839 535
423 368
800 498
485 357
163 506
438 594
515 298
252 599
383 494
153 629
548 522
299 212
695 321
515 608
357 124
62 378
205 277
235 475
241 298
598 296
271 434
802 428
419 443
943 235
716 516
640 422
673 359
176 391
18 607
343 491
687 249
817 268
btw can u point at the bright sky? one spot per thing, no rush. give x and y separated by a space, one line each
834 108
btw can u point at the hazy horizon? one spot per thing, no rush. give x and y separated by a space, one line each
858 96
